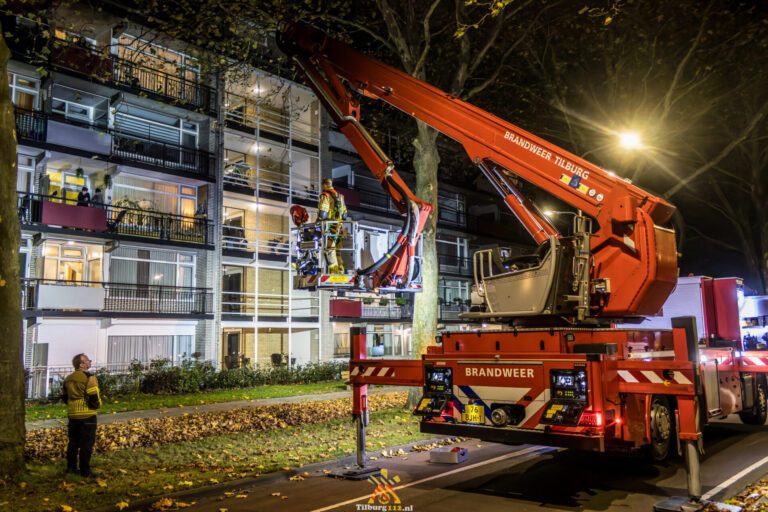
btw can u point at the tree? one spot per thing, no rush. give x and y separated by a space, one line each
688 77
12 430
434 42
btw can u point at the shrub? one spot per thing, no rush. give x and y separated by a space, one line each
192 376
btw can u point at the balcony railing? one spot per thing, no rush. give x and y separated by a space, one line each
162 154
32 126
54 294
91 62
260 179
248 304
113 219
181 90
249 113
254 240
454 264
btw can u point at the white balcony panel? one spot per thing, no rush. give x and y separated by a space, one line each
70 297
81 138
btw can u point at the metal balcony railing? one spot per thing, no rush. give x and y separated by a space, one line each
268 304
255 240
32 126
277 181
96 63
177 89
253 114
119 220
129 298
162 154
453 263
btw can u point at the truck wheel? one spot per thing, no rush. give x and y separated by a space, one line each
662 425
759 413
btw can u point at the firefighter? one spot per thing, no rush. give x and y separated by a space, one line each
331 207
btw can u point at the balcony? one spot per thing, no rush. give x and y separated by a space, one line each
251 116
453 264
243 305
235 239
105 297
85 60
264 182
39 128
386 310
111 221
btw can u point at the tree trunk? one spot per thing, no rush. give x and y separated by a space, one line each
425 163
12 431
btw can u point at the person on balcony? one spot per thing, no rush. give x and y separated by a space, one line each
84 197
81 394
331 207
98 198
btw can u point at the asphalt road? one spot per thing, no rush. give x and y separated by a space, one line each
519 478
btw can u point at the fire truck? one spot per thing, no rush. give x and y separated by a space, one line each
601 348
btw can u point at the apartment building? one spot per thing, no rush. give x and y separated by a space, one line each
182 249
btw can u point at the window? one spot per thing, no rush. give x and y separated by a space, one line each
65 185
133 265
158 196
124 349
453 291
155 126
157 58
70 262
452 253
79 105
71 37
25 91
451 208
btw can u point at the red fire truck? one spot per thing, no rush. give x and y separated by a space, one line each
582 359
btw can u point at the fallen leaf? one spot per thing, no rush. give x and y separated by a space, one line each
121 505
275 494
101 482
65 508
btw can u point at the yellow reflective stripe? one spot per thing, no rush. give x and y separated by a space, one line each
94 389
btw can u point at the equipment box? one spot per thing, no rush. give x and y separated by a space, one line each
448 455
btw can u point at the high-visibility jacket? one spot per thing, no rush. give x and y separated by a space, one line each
82 400
333 203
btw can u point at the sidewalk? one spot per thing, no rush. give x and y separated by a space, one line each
217 407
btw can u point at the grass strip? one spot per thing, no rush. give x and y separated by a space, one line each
144 472
139 402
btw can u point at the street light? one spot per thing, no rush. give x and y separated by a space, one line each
630 140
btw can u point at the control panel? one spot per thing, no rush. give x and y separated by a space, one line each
568 390
438 388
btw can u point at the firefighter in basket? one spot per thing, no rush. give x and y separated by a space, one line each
331 207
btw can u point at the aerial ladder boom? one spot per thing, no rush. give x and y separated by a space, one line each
627 252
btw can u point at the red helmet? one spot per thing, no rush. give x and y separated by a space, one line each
299 215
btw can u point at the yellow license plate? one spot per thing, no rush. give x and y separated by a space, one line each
474 414
338 279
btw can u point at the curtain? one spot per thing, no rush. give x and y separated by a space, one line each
124 349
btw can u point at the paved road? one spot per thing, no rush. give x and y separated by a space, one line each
522 478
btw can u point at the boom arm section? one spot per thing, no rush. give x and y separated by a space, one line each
396 269
634 258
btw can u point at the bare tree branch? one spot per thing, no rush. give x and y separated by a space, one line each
723 153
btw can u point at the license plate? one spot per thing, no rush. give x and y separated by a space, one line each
474 414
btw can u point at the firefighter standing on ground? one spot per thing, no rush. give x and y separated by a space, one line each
331 207
81 394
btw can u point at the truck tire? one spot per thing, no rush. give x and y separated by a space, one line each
662 427
759 413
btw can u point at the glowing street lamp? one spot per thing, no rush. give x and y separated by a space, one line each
630 140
